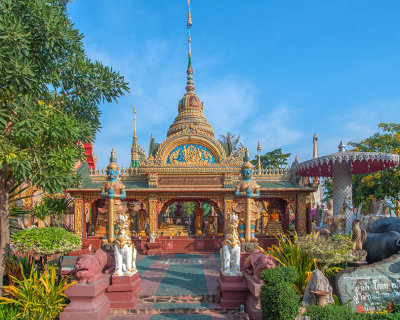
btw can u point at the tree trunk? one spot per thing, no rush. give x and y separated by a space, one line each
4 225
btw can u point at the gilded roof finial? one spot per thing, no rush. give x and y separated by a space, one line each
259 155
189 71
134 148
134 120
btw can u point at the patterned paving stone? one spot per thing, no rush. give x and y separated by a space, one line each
181 316
163 306
184 279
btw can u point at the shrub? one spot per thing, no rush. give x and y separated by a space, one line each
338 312
330 312
45 241
279 300
327 251
37 297
287 253
8 312
13 267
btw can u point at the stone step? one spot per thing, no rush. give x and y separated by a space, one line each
179 299
168 316
176 308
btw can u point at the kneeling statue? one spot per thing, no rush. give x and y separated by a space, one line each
124 249
230 250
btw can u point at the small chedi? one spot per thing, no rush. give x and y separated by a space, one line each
230 250
89 267
256 262
247 209
124 249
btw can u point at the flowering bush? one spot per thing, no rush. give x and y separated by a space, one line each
327 251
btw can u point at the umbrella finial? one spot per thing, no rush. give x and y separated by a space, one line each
342 146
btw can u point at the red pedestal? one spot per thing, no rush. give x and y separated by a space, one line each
232 290
253 306
124 291
153 248
88 301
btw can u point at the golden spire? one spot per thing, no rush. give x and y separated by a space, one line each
134 121
189 71
135 148
259 155
190 108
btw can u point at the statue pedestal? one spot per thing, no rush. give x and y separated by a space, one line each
88 301
232 290
124 291
253 306
153 248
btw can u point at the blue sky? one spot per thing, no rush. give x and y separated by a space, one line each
271 70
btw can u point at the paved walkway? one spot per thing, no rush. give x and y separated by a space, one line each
178 274
178 283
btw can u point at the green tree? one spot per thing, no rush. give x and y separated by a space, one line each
49 97
273 159
382 183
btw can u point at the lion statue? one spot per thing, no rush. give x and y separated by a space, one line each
256 262
89 267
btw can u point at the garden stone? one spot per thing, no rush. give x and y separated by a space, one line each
317 282
370 288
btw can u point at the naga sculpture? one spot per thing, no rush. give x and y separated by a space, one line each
230 250
247 210
124 249
111 190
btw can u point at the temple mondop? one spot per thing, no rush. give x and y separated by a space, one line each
190 165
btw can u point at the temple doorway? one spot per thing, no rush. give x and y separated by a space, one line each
190 218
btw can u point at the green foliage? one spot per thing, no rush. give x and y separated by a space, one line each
13 266
273 159
336 312
279 301
8 312
49 93
327 251
330 312
383 183
288 253
45 241
49 206
38 297
327 189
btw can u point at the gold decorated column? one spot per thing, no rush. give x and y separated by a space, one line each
110 220
302 216
248 212
153 218
228 208
78 208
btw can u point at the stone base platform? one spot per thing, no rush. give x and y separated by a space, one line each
233 291
88 301
123 291
252 305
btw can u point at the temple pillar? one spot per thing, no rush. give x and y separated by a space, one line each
302 214
86 205
153 217
78 209
228 208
